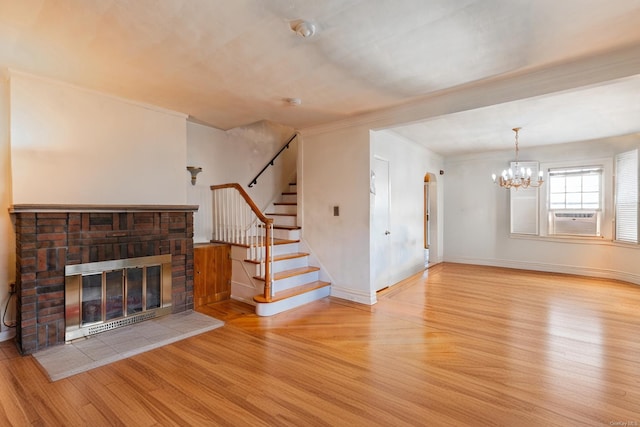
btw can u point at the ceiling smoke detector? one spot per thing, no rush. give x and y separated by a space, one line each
304 29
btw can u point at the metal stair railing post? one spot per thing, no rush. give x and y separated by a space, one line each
238 220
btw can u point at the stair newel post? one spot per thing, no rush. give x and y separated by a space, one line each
267 258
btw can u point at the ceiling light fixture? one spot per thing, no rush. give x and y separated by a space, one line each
294 102
518 178
304 29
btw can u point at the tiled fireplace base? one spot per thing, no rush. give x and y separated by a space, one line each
50 237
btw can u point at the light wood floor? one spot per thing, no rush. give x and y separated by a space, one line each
457 345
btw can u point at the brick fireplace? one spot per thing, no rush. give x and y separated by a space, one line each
50 237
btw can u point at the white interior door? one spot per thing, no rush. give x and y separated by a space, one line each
427 212
381 224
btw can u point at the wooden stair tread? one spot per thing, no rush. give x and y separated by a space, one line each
282 214
281 257
242 245
285 241
287 227
285 204
291 273
290 193
288 293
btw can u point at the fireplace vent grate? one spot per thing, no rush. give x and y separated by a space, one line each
120 323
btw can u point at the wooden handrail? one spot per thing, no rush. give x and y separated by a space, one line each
268 222
247 198
254 181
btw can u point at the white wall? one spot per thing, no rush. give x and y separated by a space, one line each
74 146
202 150
476 230
335 172
409 162
236 156
7 239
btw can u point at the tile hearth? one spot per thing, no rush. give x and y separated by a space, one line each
98 350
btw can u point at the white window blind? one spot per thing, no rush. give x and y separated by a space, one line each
524 204
626 197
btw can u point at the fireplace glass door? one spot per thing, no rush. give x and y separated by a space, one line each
91 298
101 296
154 287
137 299
114 287
134 290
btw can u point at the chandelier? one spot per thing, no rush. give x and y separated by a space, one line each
518 178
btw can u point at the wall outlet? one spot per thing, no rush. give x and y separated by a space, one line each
336 211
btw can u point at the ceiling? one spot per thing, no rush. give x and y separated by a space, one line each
232 63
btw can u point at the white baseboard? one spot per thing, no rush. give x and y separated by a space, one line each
243 292
407 272
552 268
7 334
249 301
355 296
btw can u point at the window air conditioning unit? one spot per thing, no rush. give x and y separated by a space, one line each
575 223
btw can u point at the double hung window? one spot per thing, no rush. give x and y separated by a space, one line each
575 201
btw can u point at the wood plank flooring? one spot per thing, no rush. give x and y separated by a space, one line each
456 345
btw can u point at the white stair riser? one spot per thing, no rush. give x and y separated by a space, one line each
269 309
286 264
289 198
292 282
286 209
293 188
288 220
242 253
286 248
286 234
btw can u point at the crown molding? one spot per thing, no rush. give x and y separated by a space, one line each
14 72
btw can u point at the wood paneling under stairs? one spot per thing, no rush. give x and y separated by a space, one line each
457 345
211 274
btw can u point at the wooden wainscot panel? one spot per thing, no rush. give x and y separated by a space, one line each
212 273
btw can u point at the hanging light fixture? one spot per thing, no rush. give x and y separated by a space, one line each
520 178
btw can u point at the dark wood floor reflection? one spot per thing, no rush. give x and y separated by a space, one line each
456 345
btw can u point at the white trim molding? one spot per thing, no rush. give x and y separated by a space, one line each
348 294
600 273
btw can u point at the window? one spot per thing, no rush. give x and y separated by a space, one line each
575 188
626 197
595 198
575 200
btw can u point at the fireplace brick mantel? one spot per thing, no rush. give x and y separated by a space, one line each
48 237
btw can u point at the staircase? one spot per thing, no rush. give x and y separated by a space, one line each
294 281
